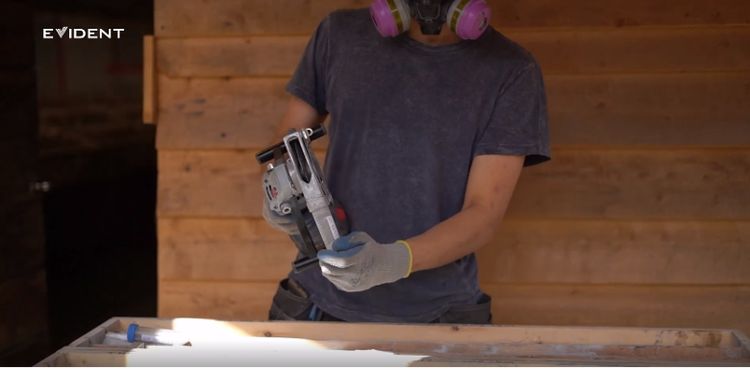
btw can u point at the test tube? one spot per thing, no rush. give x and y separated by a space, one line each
137 333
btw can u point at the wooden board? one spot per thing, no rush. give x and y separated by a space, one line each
266 353
622 110
23 319
558 52
523 304
174 18
676 184
149 80
580 252
213 331
679 184
248 343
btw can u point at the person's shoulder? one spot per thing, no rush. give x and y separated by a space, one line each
349 20
499 47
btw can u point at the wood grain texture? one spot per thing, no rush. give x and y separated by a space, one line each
558 52
558 305
24 309
222 183
149 80
622 110
621 252
680 184
222 249
179 18
654 110
676 184
576 252
215 300
466 334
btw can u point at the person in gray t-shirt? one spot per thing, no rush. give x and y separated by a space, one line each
429 131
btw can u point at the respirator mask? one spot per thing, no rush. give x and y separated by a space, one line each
466 18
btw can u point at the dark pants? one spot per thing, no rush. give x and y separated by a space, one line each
291 303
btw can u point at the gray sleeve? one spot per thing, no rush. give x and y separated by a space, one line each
519 124
309 79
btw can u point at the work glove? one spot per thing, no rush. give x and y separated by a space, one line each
358 263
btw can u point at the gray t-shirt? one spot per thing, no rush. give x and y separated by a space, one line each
406 121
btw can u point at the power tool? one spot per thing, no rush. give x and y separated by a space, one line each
294 185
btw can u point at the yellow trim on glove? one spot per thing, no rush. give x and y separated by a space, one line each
411 257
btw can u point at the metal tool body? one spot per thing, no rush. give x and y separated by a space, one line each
295 186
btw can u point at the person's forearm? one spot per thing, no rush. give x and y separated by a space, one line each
298 115
463 234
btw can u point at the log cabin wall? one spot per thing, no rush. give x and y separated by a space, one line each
642 218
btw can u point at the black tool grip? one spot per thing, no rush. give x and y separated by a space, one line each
267 155
304 264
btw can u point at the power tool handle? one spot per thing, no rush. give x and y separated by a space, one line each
267 154
304 264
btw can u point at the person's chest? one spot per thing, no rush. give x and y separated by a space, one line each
390 91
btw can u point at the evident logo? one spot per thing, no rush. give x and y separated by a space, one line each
82 33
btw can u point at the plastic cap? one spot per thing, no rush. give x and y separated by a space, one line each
131 332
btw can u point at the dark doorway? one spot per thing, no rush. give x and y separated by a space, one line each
100 162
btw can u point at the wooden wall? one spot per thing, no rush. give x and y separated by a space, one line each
641 219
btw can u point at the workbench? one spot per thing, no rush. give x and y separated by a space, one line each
257 343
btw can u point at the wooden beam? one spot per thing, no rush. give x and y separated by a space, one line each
523 252
612 110
191 18
122 358
558 52
678 184
149 80
513 304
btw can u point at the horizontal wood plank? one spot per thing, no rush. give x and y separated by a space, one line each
222 249
623 110
677 184
229 301
23 316
578 252
620 252
180 18
206 332
558 305
684 184
558 52
188 181
335 356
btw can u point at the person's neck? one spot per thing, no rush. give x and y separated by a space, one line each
446 36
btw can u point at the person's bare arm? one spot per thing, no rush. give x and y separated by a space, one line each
492 181
358 262
298 115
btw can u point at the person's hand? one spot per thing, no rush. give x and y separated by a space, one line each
358 263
